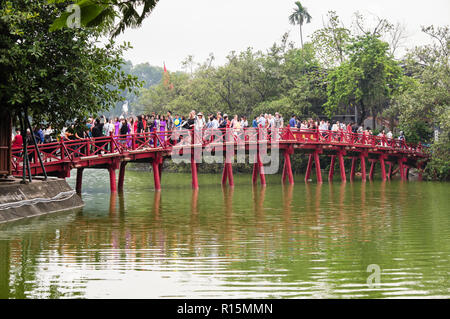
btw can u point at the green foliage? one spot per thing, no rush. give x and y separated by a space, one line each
425 103
281 80
103 13
58 76
417 131
331 40
369 79
147 75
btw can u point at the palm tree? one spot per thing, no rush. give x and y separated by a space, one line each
299 16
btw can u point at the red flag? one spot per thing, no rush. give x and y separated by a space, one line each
167 78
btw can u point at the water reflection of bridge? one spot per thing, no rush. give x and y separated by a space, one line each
114 153
303 230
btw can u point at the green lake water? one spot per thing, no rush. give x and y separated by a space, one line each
305 241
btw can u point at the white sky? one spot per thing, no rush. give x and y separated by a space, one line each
177 28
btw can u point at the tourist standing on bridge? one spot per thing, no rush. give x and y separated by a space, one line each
38 134
116 126
140 125
278 121
162 127
157 121
293 121
244 122
214 122
97 131
255 122
219 117
124 130
262 121
169 121
17 140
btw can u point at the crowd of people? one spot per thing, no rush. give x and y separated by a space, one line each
123 126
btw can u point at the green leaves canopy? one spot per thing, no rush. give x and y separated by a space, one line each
59 76
368 79
102 13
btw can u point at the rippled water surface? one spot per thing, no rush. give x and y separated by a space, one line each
305 241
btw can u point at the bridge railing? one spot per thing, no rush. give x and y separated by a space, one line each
73 150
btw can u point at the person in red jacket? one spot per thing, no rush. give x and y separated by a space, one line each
18 140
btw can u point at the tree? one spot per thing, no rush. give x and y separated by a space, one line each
105 13
331 40
58 76
148 76
425 105
300 16
368 80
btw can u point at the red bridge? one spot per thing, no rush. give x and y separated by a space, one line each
114 152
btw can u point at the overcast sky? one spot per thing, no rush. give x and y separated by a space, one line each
178 28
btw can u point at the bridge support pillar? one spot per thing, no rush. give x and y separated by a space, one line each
317 164
383 168
224 174
372 170
342 166
352 171
262 177
331 172
362 158
309 167
194 172
156 177
255 173
230 174
112 179
287 168
121 176
79 183
419 170
401 168
227 174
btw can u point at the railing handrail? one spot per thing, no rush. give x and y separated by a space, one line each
345 137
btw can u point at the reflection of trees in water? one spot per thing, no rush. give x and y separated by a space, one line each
333 223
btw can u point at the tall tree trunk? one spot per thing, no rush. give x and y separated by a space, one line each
301 35
363 115
374 120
